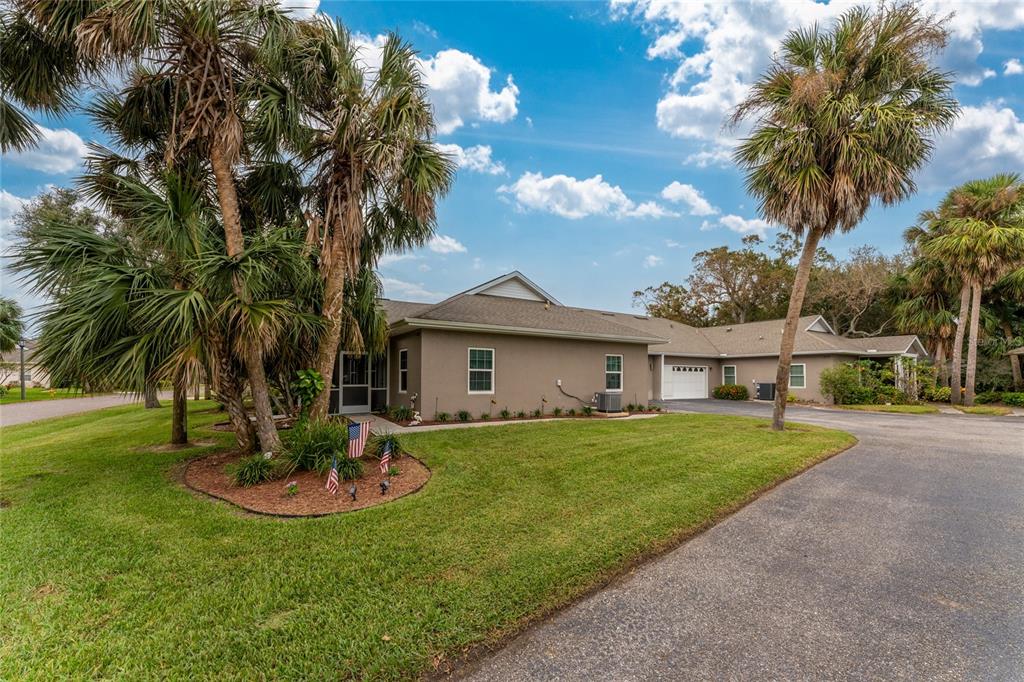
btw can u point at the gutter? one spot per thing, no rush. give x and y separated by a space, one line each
420 323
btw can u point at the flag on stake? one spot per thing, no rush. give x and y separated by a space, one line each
332 478
358 432
385 457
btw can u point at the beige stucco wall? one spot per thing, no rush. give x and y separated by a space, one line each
526 369
412 342
763 370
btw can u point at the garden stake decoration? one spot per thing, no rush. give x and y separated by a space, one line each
352 491
384 486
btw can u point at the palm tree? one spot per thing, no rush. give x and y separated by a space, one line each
12 326
979 235
365 140
1006 304
843 118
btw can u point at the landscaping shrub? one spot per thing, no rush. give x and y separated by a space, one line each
520 415
588 411
485 416
571 412
310 446
3 391
1014 399
308 384
506 414
253 470
988 397
464 416
442 417
630 407
889 394
401 413
939 394
731 392
842 384
537 413
375 444
557 411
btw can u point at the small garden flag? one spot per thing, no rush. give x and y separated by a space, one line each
385 457
358 432
332 478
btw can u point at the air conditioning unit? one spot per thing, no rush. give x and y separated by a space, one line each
609 402
766 391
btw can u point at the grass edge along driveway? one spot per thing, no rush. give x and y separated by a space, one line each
112 569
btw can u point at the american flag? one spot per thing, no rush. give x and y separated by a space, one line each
385 457
332 478
358 432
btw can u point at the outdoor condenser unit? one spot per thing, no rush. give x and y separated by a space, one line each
609 402
766 391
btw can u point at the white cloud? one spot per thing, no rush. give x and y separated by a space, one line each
673 244
652 261
423 28
300 9
442 243
721 47
991 137
711 156
678 192
392 258
458 85
9 206
739 224
572 198
58 151
478 264
477 158
409 290
1012 67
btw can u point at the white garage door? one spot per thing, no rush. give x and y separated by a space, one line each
684 381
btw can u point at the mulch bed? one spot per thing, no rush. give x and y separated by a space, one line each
207 475
510 420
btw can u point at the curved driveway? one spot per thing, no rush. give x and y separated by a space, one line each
34 410
902 558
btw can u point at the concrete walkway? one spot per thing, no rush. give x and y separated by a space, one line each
20 413
898 559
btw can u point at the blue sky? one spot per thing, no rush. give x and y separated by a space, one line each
591 141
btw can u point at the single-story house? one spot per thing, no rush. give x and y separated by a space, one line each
508 344
10 365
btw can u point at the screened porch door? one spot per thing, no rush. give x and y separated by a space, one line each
360 384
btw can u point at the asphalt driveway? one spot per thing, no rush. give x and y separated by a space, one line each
34 410
902 558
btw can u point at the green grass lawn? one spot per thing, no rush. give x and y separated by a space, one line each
997 410
33 394
111 569
901 409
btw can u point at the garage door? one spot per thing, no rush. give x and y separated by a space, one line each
684 381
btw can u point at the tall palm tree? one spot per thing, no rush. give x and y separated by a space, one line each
842 118
12 324
979 235
365 139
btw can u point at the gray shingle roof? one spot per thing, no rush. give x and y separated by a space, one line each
399 310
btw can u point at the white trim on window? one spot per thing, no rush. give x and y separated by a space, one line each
608 372
403 373
803 375
470 369
733 375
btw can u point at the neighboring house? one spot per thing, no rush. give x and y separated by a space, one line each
10 363
509 344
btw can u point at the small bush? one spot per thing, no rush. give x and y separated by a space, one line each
988 397
464 416
939 394
401 413
308 384
442 417
506 414
843 385
253 470
1013 399
889 394
485 416
520 415
731 392
537 413
3 391
588 411
571 412
557 411
376 442
292 489
310 446
393 471
349 469
630 407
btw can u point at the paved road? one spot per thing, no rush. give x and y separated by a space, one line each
19 413
902 558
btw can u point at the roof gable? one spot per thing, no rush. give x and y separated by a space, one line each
513 285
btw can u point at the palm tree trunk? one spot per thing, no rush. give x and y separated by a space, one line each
229 392
940 364
179 411
958 344
228 199
796 303
972 345
150 395
1018 380
327 351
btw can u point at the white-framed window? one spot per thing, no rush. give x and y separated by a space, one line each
613 373
798 376
729 374
481 370
403 370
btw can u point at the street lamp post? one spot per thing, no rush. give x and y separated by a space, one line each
21 347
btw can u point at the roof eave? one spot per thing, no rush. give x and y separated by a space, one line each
420 323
